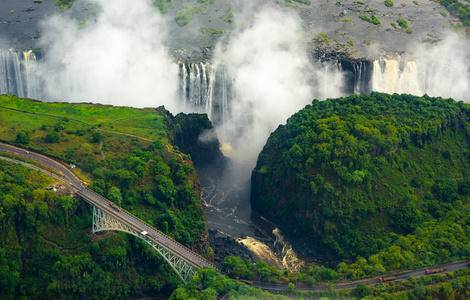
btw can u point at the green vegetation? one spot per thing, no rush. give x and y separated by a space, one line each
373 19
458 9
379 176
44 235
415 2
228 15
409 31
184 15
454 284
63 4
22 138
291 2
394 25
322 38
402 22
163 5
46 251
443 13
351 43
388 3
209 284
211 31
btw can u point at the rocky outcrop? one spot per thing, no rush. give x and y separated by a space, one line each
225 246
195 135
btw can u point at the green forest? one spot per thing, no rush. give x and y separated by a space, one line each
47 249
393 163
381 180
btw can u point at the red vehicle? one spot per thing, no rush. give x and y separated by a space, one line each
115 206
427 272
386 279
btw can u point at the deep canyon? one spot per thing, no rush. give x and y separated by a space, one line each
248 79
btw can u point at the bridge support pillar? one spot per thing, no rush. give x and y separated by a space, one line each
103 221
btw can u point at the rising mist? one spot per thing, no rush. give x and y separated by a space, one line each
272 79
118 59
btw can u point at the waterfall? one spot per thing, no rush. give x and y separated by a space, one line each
435 78
289 258
281 255
208 88
18 74
205 88
361 79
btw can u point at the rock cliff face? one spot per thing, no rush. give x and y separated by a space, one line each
194 135
337 27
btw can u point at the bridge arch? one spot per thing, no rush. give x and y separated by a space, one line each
102 221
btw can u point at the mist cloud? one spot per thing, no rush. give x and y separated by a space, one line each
273 79
118 59
445 67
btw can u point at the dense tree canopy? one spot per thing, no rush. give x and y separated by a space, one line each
373 175
46 249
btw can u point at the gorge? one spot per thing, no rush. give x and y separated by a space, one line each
256 77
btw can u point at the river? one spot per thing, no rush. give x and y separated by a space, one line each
227 207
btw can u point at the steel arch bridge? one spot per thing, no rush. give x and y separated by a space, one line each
103 221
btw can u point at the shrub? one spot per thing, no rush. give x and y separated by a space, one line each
162 5
361 291
402 22
388 3
351 43
375 20
415 2
184 15
64 4
409 31
443 13
22 138
53 137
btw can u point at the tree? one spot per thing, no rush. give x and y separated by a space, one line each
165 188
237 267
20 178
96 137
445 189
114 195
53 137
361 290
22 138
